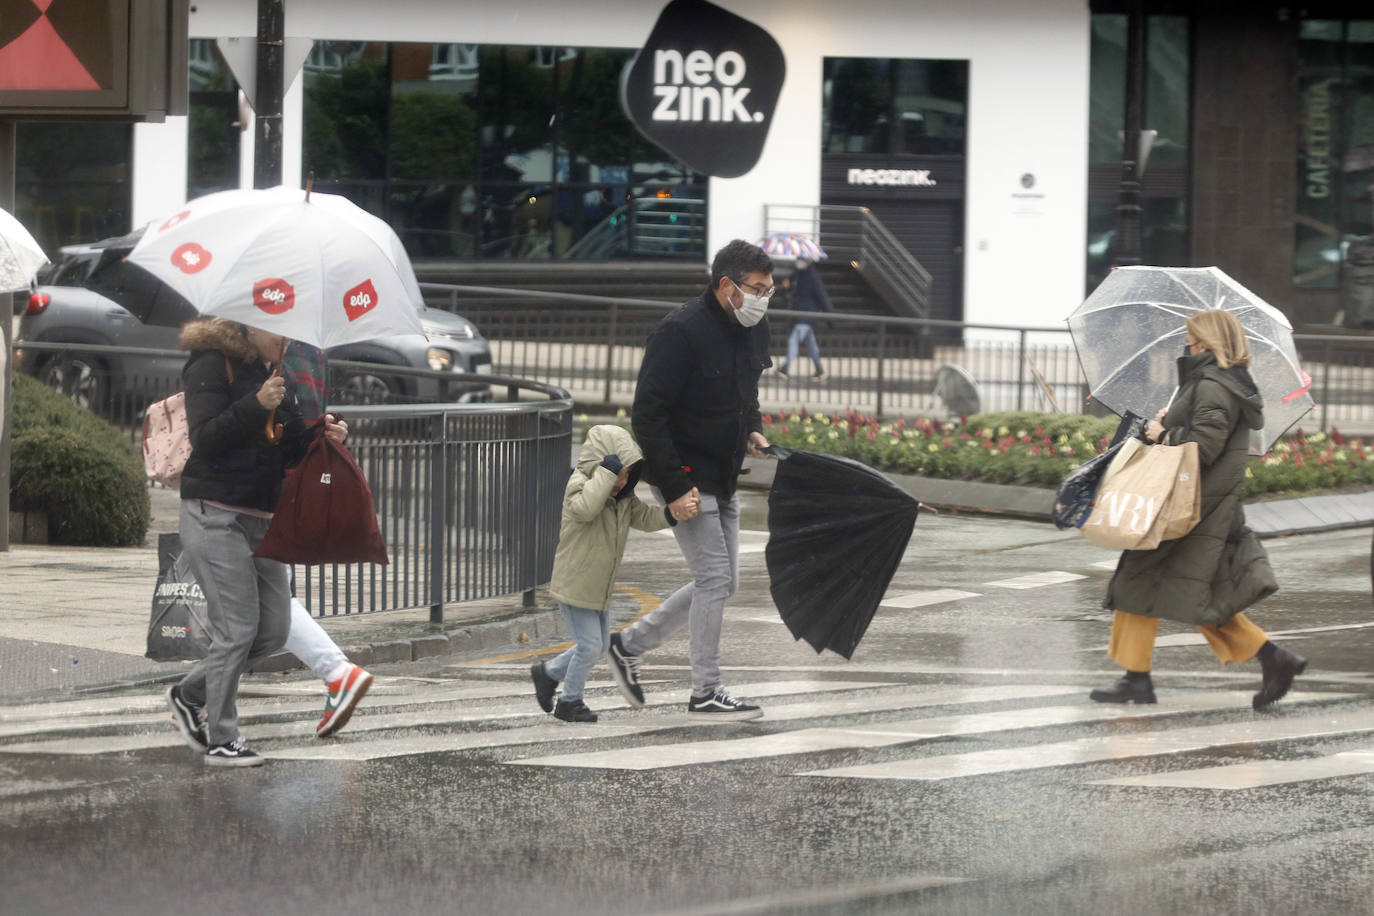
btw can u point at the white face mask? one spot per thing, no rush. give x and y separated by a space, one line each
752 308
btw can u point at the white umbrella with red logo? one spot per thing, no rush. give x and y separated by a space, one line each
311 267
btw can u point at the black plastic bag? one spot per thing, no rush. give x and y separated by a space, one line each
1073 502
837 532
179 628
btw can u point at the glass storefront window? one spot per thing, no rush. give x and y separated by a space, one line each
881 106
212 161
71 181
488 151
1334 226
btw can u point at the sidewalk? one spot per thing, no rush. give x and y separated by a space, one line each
74 619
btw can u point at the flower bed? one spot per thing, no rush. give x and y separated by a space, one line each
1037 449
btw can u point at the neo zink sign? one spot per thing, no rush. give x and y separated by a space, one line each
918 178
704 87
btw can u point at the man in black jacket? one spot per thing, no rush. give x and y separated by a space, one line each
696 415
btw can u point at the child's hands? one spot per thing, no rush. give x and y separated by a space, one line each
612 463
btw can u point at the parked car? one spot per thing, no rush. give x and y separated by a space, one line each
61 310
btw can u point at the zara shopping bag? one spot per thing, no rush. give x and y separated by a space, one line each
1155 497
179 628
325 514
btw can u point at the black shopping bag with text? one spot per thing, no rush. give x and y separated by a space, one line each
179 628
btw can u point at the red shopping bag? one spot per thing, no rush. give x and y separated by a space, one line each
325 514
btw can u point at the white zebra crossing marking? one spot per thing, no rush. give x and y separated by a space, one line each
1254 774
883 734
1098 749
1036 580
922 599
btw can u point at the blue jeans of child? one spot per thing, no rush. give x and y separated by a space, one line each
592 632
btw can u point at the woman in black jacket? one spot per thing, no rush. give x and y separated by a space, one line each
246 431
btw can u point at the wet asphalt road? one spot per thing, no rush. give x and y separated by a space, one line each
418 807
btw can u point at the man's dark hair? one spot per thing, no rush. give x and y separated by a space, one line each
737 260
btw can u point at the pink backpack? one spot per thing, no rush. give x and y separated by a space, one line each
167 438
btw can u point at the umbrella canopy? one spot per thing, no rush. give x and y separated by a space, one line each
141 293
1129 334
791 245
837 531
310 267
20 255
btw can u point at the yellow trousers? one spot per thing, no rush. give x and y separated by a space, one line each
1133 640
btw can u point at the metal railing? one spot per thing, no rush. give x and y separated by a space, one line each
883 366
854 234
468 495
647 227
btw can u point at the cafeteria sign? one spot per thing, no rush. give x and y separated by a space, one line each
704 87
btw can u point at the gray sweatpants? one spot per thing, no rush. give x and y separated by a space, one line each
710 545
248 603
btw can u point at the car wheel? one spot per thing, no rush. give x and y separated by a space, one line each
82 378
367 388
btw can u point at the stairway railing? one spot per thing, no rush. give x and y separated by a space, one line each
855 235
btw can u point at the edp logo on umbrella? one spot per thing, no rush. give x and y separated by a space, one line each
274 295
360 300
191 258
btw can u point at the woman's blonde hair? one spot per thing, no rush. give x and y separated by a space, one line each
1219 331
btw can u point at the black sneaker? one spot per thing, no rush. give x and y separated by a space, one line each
782 370
720 706
625 670
544 686
233 754
573 711
191 720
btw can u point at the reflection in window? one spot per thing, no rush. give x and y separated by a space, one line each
910 107
489 151
72 180
1334 227
214 130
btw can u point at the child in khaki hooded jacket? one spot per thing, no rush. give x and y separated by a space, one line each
599 508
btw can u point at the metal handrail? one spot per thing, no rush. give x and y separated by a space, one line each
855 234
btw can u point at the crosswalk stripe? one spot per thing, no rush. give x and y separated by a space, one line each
1098 749
368 718
1036 580
811 898
810 709
922 599
883 734
1254 774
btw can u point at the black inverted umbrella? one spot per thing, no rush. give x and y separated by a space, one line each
837 531
145 296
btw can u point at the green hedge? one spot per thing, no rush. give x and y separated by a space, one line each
78 469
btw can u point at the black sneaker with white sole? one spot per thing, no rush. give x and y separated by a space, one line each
544 687
233 754
625 670
720 706
190 720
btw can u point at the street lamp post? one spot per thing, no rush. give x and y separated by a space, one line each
1129 221
268 94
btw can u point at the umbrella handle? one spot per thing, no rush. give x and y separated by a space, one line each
273 430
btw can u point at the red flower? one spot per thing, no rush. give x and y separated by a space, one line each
768 419
872 435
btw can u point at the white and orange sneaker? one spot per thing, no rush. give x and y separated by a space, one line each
344 693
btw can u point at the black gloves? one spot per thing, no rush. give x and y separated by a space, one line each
612 464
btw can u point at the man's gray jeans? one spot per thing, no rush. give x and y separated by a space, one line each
710 545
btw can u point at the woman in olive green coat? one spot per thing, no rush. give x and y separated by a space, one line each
599 509
1208 576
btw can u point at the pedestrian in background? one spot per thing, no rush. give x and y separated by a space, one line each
1208 576
246 430
599 509
345 684
805 293
696 415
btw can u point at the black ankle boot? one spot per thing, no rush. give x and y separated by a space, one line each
573 711
1279 667
1133 687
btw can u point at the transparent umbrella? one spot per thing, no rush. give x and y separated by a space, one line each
20 256
1129 335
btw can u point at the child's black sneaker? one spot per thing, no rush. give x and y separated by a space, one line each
625 670
190 720
233 754
573 711
544 687
720 706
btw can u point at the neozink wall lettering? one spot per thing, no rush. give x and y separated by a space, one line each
919 178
